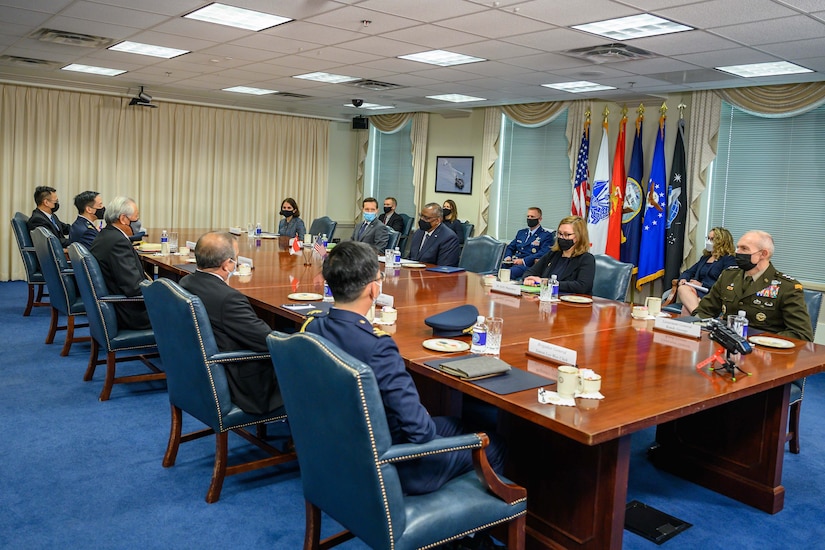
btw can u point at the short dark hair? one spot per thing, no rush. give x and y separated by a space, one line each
537 209
84 199
348 268
42 192
394 202
295 212
213 248
370 199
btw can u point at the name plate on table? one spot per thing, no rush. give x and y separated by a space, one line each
678 327
557 354
245 260
191 245
385 300
235 230
506 288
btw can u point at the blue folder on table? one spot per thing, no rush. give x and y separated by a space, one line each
445 269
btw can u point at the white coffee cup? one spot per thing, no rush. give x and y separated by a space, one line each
389 314
639 312
504 275
653 305
568 381
244 269
591 384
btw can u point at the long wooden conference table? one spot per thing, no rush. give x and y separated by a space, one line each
574 461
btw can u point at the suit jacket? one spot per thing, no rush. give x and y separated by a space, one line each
236 326
82 231
529 248
576 276
440 248
375 235
774 302
123 271
458 229
708 273
58 228
396 221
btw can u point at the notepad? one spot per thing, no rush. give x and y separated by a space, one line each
476 367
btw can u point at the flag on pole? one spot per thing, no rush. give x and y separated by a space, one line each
580 190
631 211
617 185
600 197
652 248
295 245
319 247
677 200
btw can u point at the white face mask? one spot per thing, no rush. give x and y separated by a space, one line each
709 245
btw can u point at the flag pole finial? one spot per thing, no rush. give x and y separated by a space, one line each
663 109
605 113
641 109
682 108
624 111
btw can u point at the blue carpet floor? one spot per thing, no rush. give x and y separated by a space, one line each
78 473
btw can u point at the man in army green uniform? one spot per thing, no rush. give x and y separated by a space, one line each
772 301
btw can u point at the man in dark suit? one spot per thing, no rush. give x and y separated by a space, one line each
371 231
120 264
389 217
252 384
351 269
45 215
434 242
90 212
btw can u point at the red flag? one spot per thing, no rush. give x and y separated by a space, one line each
296 245
617 184
293 283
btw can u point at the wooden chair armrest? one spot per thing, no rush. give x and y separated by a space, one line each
508 492
673 295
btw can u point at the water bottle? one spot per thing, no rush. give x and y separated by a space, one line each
327 293
554 289
324 240
258 229
739 323
479 336
397 261
164 243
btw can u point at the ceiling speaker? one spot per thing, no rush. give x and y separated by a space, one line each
360 123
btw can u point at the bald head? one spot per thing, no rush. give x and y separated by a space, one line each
214 248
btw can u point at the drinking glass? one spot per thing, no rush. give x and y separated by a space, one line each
173 242
494 326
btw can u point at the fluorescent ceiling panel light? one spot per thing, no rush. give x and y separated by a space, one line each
148 49
237 17
327 77
369 106
248 90
455 98
635 26
441 58
579 87
764 69
92 70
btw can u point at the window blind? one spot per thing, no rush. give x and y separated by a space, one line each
389 170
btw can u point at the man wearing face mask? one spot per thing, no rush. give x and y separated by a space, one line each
389 217
351 269
252 384
120 263
530 244
45 215
371 231
433 242
772 301
90 212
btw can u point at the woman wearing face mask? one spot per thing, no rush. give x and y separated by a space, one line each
451 219
568 259
292 224
717 256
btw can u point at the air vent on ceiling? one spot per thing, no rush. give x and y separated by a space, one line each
71 38
291 95
28 62
376 85
610 53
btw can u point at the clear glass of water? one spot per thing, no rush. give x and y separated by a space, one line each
173 241
494 327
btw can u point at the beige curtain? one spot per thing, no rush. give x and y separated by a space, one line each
362 143
534 113
186 166
390 123
489 155
780 101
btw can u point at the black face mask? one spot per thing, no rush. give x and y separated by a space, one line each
387 209
565 244
100 212
447 212
425 226
743 261
532 222
56 207
287 213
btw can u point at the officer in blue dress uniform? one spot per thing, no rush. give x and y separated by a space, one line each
351 269
90 212
530 244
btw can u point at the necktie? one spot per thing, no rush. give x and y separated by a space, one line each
363 228
54 223
423 240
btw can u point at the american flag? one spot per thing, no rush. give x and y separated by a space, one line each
580 190
320 248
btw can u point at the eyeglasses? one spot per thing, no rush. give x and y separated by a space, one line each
426 218
380 277
567 235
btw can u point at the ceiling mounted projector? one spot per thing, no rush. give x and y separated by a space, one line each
142 100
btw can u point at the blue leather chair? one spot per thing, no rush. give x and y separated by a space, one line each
813 299
405 234
100 310
63 294
612 278
469 229
394 236
323 225
347 459
482 254
34 276
197 382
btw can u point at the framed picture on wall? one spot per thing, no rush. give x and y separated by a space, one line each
454 175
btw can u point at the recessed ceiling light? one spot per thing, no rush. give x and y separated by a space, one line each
578 87
442 58
327 77
456 98
764 69
634 26
92 70
148 49
370 106
248 90
237 17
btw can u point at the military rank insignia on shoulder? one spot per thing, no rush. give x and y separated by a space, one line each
378 332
